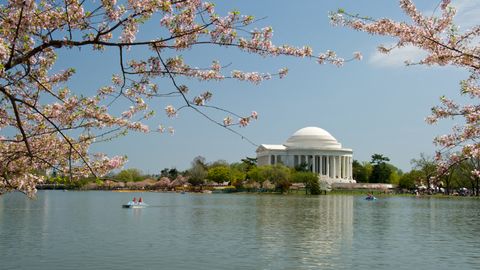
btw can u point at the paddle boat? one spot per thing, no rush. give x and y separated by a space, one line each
135 204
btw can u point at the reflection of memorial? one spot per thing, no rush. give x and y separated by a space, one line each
314 231
316 148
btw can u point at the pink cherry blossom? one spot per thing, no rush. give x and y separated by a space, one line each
437 35
51 126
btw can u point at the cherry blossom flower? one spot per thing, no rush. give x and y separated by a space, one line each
50 126
170 110
444 44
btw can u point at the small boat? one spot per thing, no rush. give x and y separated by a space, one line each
135 204
370 198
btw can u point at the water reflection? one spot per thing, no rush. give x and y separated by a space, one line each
90 230
311 231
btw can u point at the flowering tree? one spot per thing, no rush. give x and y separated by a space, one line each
44 124
446 45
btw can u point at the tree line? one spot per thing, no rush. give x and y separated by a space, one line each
423 175
245 175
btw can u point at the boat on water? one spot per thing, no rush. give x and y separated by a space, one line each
370 198
135 204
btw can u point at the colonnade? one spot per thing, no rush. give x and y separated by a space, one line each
332 166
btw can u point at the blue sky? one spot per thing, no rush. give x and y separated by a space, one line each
376 105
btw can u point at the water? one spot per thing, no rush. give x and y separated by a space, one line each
89 230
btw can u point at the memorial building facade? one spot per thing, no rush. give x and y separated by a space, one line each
317 149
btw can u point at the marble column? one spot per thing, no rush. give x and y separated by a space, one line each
342 160
335 170
348 167
334 166
314 164
327 159
351 167
339 166
349 164
320 165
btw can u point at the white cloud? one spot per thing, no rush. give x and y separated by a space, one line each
397 57
468 13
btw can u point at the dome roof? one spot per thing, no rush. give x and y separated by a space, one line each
312 138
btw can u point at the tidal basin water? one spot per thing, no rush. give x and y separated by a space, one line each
90 230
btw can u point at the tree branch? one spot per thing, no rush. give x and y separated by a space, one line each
18 119
17 30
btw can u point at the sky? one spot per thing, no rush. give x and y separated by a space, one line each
377 105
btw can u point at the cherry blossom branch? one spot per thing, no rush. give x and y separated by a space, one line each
18 119
17 31
39 29
189 105
58 130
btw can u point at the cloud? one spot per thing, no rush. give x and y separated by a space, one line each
396 57
467 13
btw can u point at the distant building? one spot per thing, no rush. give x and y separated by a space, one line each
316 148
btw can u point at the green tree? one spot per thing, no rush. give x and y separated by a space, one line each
198 171
314 186
302 167
200 161
129 175
426 165
360 172
173 173
256 174
249 163
220 162
378 159
279 175
381 171
310 180
467 179
410 179
394 177
219 174
237 174
368 168
458 176
164 172
197 175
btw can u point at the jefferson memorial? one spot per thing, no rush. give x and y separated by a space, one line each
315 147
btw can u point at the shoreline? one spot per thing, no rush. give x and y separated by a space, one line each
377 193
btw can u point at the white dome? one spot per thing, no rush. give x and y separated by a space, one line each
312 138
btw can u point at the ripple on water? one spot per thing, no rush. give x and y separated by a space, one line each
89 230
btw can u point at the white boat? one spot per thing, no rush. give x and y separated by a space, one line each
135 204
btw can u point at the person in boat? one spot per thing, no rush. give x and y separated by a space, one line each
369 196
140 201
132 202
